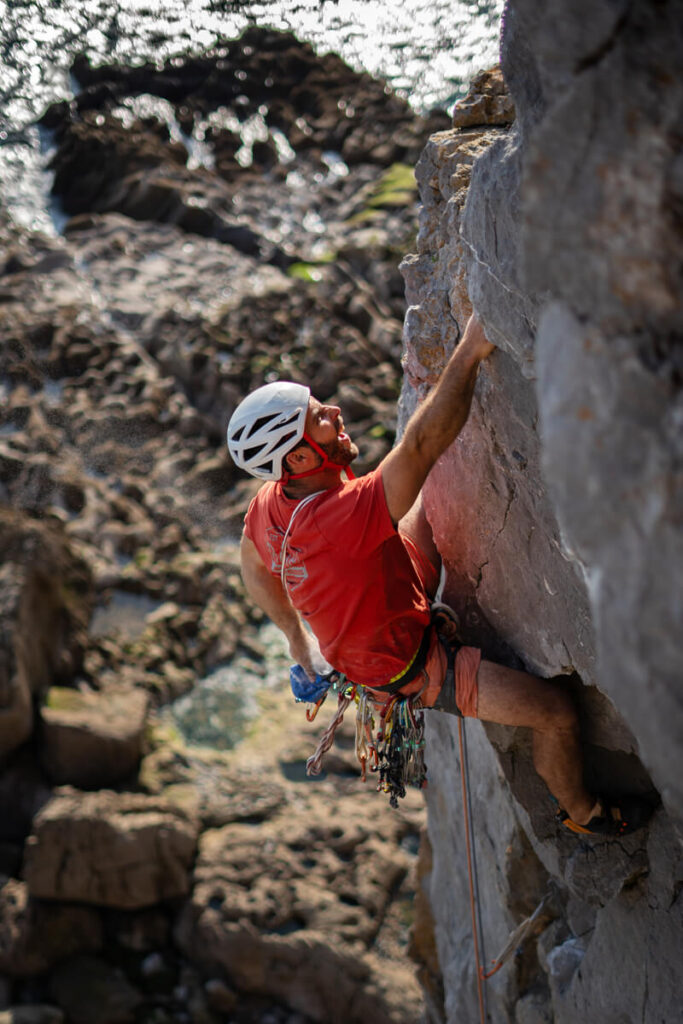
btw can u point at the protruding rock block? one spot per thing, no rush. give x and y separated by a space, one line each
45 601
93 739
487 102
110 849
257 914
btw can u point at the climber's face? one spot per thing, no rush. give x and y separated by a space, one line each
325 425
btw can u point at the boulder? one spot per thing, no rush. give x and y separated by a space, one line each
284 912
487 102
110 849
92 739
34 936
206 782
45 602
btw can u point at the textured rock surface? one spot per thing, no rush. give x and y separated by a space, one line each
93 739
555 509
35 935
120 850
45 602
284 911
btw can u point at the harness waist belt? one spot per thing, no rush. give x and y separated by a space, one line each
413 668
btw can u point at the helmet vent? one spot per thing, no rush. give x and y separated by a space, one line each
262 421
293 417
249 453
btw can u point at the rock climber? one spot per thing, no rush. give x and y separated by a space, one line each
347 567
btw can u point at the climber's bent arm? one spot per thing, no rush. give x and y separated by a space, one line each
435 424
268 593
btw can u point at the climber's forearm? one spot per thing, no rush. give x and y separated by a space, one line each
268 593
443 414
435 424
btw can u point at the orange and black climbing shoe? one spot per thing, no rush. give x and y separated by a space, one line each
618 818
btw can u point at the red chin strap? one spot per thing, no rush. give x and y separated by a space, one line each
327 463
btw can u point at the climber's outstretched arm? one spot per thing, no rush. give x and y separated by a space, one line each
268 593
436 423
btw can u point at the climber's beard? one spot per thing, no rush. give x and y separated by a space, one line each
342 451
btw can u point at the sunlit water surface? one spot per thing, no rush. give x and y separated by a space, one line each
427 49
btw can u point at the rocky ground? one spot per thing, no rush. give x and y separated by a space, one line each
230 219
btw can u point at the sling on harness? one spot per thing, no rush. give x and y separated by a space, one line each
394 750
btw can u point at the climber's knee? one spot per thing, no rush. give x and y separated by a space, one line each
559 708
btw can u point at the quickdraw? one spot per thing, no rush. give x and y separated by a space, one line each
366 747
394 751
400 748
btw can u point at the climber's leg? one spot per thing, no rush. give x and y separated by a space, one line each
509 697
415 528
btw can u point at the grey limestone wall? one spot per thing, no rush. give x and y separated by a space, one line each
558 510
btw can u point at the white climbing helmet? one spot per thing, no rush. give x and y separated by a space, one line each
267 425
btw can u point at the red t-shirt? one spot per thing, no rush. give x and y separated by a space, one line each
348 574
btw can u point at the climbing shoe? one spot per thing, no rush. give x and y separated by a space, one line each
618 818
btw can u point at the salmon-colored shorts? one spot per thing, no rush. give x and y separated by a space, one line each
431 679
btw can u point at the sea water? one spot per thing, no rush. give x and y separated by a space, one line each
426 49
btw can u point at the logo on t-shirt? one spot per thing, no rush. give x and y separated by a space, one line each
295 570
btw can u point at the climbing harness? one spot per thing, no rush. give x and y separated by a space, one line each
394 750
414 666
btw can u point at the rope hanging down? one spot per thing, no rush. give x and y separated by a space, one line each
523 930
471 869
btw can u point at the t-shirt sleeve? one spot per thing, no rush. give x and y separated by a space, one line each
255 519
249 520
358 519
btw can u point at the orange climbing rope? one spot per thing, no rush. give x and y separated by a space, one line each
523 930
471 870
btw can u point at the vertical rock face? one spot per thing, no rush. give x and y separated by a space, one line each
555 510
